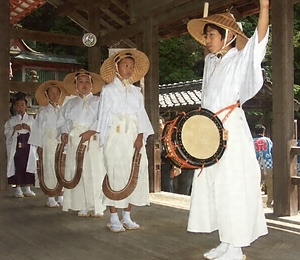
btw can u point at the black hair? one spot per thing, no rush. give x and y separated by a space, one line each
221 30
20 96
259 129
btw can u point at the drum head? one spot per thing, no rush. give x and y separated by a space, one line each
200 137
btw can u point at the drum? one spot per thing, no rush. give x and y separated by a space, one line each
195 139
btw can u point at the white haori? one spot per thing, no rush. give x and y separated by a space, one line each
11 143
118 154
226 196
88 193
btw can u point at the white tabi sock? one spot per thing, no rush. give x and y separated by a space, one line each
114 218
126 216
27 189
51 199
216 252
60 199
232 253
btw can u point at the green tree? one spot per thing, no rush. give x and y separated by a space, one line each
180 59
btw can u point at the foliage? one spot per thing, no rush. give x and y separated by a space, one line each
179 59
49 21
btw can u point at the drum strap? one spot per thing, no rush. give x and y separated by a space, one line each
230 108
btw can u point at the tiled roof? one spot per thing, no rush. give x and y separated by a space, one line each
180 94
42 57
20 8
185 96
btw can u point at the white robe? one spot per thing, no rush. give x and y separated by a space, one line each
11 143
43 134
122 117
226 196
77 116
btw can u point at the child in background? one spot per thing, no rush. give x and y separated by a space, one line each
77 123
21 156
50 96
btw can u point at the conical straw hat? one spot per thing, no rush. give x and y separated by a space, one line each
223 20
70 83
41 96
141 67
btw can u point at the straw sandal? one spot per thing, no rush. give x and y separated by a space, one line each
115 227
130 225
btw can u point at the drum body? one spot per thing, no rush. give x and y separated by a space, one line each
194 139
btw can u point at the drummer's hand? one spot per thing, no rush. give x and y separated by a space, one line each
64 137
87 135
138 144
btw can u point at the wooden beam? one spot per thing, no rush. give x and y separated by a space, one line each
124 33
150 46
66 9
120 6
75 17
46 37
113 16
183 11
4 89
27 87
285 194
94 53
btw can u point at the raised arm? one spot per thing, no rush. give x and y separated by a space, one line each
263 19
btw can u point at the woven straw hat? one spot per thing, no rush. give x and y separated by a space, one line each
141 67
40 94
70 83
223 20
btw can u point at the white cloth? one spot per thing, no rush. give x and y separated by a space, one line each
78 116
122 117
226 196
43 134
11 143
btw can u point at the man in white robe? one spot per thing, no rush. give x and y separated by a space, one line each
226 196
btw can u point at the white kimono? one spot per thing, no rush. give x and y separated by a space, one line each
11 143
43 134
122 117
76 117
226 196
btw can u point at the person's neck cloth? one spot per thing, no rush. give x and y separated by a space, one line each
125 82
55 106
84 98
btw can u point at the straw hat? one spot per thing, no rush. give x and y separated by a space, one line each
70 83
141 67
223 20
41 96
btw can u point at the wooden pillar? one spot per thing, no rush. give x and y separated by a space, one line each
4 88
94 53
151 48
285 194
